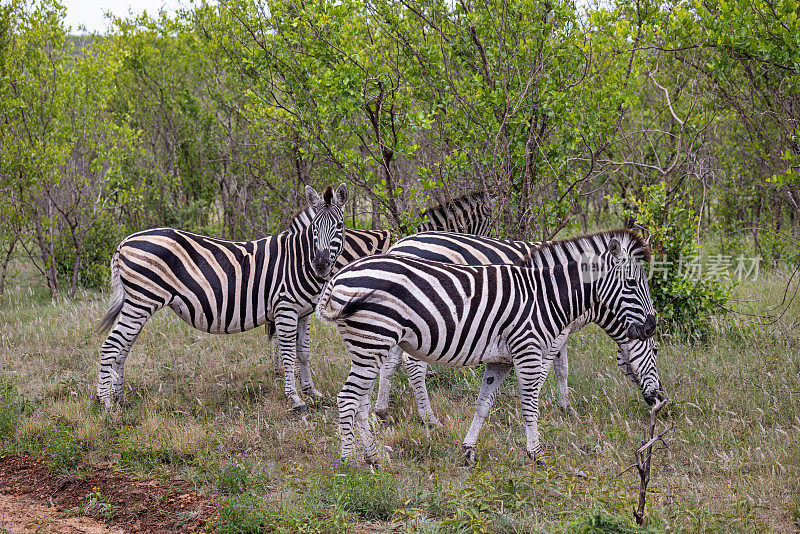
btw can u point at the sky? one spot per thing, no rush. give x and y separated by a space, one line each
90 12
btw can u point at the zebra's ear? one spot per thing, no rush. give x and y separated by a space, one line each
341 195
313 199
615 249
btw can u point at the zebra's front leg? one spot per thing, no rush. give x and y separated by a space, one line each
304 357
277 365
493 377
286 326
385 382
417 371
530 376
561 367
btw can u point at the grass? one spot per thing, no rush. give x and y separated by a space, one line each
207 409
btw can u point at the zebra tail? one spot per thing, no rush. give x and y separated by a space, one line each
326 308
117 298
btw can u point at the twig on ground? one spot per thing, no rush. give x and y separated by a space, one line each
644 455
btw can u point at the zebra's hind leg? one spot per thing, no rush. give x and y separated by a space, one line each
114 351
353 401
365 432
304 357
385 383
493 377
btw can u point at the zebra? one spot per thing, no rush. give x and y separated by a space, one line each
636 359
466 315
470 214
357 244
222 287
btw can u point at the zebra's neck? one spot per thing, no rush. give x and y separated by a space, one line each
568 299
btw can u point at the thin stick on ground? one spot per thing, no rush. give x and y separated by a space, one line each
644 455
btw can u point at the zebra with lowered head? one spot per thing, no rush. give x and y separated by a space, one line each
222 287
636 359
467 315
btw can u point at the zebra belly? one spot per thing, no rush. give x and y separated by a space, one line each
215 325
496 351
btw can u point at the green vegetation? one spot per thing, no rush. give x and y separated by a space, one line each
684 115
678 117
206 409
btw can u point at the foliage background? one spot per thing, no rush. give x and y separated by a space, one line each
575 116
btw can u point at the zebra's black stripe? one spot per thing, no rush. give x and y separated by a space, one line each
222 286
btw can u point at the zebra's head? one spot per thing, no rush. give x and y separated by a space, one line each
637 359
327 227
622 283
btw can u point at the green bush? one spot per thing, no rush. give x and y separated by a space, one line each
599 522
64 451
683 293
98 247
241 514
9 414
372 496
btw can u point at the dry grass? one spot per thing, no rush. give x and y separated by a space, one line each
208 409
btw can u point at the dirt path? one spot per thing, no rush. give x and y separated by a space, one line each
23 515
97 500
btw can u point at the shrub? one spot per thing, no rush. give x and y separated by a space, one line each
599 522
64 451
241 514
9 414
98 247
684 297
372 496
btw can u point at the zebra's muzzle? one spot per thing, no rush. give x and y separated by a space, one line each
645 330
322 263
651 396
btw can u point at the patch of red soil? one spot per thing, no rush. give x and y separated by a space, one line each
128 504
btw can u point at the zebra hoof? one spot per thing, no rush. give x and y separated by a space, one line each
468 454
432 421
537 458
302 408
569 411
384 417
313 393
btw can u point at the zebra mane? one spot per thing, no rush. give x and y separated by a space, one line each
327 196
572 247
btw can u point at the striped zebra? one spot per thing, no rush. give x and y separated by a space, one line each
636 358
357 244
467 315
469 214
222 287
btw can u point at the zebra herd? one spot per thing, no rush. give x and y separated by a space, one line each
448 295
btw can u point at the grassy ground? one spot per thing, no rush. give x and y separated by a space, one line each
208 409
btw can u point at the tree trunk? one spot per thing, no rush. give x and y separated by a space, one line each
4 267
46 248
